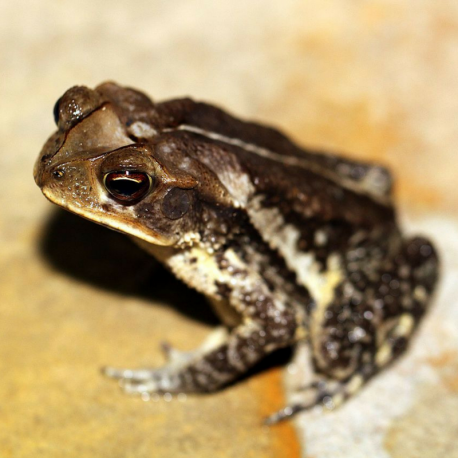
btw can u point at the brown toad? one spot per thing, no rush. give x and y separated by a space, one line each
287 244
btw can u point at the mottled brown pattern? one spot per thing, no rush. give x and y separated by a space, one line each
328 265
378 299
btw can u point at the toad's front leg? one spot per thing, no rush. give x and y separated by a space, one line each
267 324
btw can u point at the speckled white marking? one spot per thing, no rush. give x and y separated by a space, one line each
320 237
354 384
142 130
238 184
405 326
383 355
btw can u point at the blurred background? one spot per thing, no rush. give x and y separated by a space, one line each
376 80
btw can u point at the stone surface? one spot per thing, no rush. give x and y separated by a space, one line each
377 80
75 297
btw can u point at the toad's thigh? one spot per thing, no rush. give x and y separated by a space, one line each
372 317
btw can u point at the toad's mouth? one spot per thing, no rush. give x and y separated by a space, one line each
109 221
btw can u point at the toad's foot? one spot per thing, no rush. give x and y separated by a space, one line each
329 394
173 357
146 381
150 380
175 376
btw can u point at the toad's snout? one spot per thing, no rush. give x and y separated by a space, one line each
38 170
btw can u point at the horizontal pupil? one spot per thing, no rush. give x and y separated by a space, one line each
135 180
127 185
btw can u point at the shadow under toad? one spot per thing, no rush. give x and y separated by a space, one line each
109 260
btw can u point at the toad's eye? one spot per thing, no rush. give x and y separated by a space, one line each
127 186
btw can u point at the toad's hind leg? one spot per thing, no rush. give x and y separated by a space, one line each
363 332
